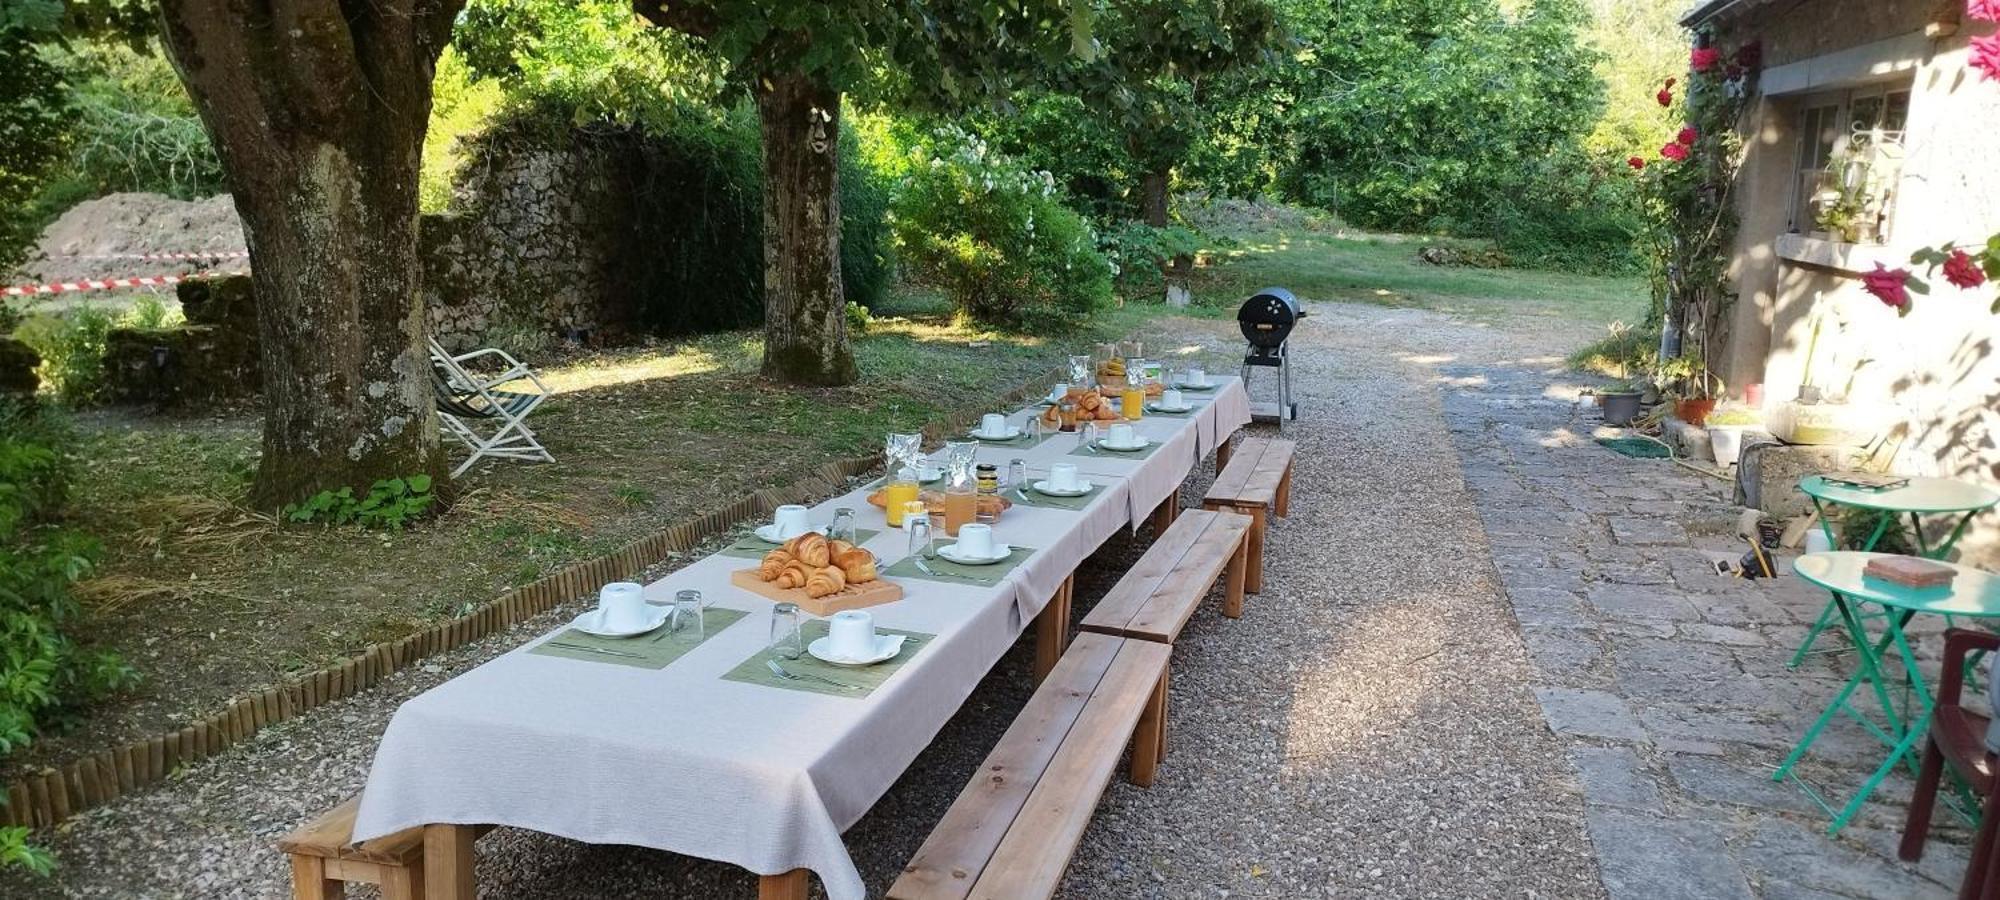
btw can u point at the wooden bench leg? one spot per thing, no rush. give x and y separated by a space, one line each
1052 629
1222 455
448 861
1253 577
789 886
1232 592
309 881
1150 738
1284 501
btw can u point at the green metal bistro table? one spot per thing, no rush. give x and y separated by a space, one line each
1920 497
1973 594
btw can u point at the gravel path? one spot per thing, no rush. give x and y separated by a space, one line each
1367 728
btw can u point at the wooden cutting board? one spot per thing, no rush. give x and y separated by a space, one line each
874 593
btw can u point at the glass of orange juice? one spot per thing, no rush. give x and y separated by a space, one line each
897 497
1134 402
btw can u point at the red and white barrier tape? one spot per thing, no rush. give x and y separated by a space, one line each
220 254
109 283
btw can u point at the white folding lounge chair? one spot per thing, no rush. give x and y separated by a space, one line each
464 399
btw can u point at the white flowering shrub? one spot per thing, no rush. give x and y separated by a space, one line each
994 236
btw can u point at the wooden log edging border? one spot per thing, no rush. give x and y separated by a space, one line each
45 798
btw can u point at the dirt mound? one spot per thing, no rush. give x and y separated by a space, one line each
124 225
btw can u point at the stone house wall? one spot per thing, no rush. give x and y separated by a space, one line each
1929 381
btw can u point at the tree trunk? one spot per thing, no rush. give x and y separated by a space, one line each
805 311
1153 199
318 109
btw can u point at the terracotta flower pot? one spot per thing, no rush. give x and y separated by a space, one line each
1694 411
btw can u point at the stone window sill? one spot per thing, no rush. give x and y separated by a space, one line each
1841 257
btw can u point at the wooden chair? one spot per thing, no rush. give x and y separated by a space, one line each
1958 739
1012 831
324 858
1256 480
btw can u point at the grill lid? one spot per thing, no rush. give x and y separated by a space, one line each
1267 318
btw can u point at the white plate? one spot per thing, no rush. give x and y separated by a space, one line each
1176 410
1191 386
1125 448
1082 488
886 648
1013 431
769 532
591 623
950 552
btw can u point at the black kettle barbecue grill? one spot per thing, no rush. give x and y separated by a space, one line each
1267 320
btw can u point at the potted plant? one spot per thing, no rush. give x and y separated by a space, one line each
1619 402
1725 433
1692 386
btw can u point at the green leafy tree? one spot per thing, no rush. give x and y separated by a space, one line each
798 58
34 132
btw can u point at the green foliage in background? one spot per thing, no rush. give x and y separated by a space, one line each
591 57
43 673
1140 253
34 118
136 129
994 236
72 351
1056 133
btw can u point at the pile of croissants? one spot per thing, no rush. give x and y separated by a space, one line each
817 565
1090 406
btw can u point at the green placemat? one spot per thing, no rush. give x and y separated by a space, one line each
654 650
1030 497
862 679
957 573
1105 453
1024 442
754 547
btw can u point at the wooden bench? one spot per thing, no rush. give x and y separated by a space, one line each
1158 596
325 858
1256 481
1011 832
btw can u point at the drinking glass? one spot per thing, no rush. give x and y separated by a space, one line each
1034 430
917 524
1086 434
787 640
687 614
842 528
1017 473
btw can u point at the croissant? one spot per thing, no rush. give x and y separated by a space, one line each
1107 414
1090 402
1052 416
835 548
795 575
858 565
825 581
810 548
774 562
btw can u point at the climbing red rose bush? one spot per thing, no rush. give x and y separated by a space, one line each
1965 268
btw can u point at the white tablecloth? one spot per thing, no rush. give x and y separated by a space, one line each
764 778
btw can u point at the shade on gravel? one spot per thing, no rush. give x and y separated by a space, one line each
1366 729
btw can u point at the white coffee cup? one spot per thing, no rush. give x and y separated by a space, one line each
975 541
622 606
790 521
1197 377
851 634
1062 477
993 425
1121 436
1171 399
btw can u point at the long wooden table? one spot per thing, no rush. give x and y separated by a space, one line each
682 759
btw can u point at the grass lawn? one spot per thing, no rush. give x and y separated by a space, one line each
209 600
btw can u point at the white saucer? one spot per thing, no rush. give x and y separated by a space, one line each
1082 488
1125 448
950 552
589 623
1191 386
1175 410
769 532
886 648
1013 431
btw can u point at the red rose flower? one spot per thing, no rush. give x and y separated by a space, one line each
1961 270
1986 56
1636 162
1888 285
1688 136
1733 72
1988 10
1704 59
1665 97
1751 55
1675 151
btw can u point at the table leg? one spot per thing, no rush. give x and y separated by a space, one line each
1052 629
448 861
309 881
789 886
1826 612
1919 725
1867 670
1221 455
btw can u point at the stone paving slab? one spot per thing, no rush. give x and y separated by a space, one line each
1670 683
